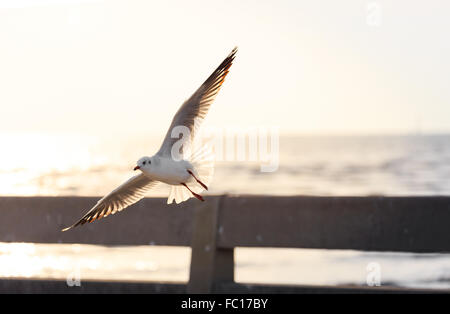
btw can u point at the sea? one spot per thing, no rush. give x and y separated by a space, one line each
83 165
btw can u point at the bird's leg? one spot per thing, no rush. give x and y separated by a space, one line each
195 194
201 183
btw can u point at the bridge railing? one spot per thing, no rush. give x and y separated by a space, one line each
213 229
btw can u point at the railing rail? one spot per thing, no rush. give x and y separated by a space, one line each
214 228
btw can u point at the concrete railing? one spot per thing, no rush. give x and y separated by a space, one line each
215 227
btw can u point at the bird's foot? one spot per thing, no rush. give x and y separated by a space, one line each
199 197
200 182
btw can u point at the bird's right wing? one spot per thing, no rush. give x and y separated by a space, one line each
125 195
194 110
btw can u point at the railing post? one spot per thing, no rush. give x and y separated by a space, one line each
209 264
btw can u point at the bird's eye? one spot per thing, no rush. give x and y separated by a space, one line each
149 162
143 163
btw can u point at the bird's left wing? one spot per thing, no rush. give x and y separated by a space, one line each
125 195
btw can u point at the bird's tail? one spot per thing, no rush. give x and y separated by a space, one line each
178 193
202 161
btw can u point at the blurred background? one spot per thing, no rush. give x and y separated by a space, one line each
358 90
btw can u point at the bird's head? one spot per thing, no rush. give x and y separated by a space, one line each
144 164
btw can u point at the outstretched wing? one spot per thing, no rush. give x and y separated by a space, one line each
125 195
196 107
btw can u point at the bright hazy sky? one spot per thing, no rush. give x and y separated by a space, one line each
306 66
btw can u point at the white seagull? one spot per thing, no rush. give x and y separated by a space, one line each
163 167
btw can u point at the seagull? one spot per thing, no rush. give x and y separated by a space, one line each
166 166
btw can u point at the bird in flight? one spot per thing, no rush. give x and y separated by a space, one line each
171 164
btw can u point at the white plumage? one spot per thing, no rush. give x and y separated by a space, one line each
188 175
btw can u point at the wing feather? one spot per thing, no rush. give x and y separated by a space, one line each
125 195
194 110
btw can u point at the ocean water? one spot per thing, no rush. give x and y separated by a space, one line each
307 165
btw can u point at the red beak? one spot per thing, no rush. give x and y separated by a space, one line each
136 168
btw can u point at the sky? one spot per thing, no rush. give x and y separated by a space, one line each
309 67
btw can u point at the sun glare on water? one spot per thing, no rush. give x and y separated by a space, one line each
28 160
